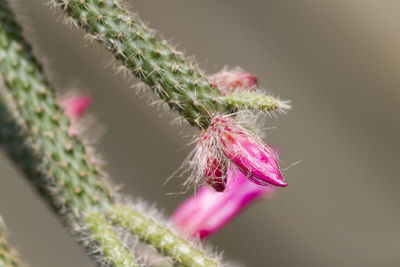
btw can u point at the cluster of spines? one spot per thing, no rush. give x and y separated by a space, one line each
35 132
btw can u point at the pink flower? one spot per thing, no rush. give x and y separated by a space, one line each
229 80
74 108
207 211
256 160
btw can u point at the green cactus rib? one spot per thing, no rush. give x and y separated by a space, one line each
35 133
163 239
111 247
8 256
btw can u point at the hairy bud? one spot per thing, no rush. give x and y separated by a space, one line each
230 80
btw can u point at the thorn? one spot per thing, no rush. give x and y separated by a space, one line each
51 135
42 91
68 147
35 129
64 164
38 110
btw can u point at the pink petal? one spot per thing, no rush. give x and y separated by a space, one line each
207 211
256 161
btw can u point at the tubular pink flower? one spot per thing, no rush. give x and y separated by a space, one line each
75 107
207 211
256 160
229 80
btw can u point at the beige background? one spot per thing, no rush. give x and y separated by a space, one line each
339 63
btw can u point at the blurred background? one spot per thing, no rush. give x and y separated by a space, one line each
339 64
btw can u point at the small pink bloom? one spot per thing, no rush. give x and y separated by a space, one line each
228 81
75 107
256 160
207 211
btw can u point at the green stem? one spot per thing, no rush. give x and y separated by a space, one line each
157 64
112 249
161 67
161 238
254 101
59 156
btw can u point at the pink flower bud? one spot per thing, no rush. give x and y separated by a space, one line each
228 81
75 107
256 160
207 211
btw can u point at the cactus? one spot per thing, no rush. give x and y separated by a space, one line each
35 133
181 84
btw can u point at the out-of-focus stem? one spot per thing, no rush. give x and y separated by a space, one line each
8 256
165 240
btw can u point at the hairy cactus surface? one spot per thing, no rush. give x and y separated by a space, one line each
164 240
180 83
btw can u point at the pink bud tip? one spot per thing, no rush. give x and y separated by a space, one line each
256 160
228 81
207 211
75 107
